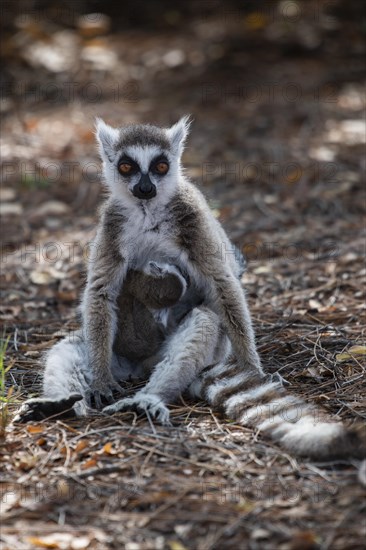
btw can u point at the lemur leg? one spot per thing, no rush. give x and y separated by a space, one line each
197 342
67 382
64 382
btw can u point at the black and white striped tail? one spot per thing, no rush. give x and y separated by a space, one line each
262 403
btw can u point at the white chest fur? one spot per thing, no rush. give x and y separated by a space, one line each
148 236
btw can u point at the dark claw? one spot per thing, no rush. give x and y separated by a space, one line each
97 400
88 397
109 397
119 388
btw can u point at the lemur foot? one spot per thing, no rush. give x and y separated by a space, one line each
40 408
103 391
142 402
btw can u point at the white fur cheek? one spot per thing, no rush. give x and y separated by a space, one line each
166 187
130 183
116 185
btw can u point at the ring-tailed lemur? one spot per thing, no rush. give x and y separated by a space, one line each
155 214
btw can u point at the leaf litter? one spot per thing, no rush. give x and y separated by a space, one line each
285 181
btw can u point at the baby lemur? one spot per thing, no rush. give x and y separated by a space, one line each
155 214
144 311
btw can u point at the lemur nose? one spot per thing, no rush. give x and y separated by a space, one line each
145 189
145 185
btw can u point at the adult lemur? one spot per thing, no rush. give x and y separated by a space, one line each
154 214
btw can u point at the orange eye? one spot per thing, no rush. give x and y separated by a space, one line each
125 168
162 168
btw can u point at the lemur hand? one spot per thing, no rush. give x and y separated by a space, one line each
142 403
102 389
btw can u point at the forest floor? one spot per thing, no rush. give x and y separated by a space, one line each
276 146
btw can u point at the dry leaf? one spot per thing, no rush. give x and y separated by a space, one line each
56 274
86 135
314 304
63 489
245 506
40 277
305 540
262 269
8 501
91 463
358 350
53 208
7 194
353 351
79 543
26 462
90 26
313 372
255 21
108 450
60 540
66 426
82 444
67 295
175 545
11 209
34 429
46 542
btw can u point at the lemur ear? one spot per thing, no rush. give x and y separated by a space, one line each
107 138
178 133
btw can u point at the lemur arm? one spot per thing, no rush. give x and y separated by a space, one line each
232 307
106 272
211 256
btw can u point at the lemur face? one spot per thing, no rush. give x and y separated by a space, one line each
144 170
142 162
